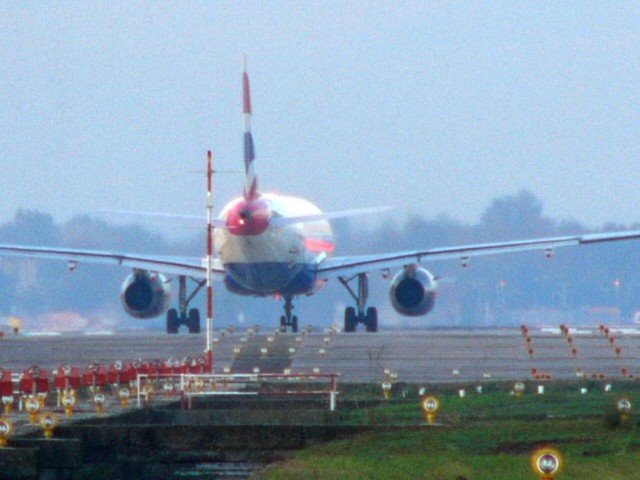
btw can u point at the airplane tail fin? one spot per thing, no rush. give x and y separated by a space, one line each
250 179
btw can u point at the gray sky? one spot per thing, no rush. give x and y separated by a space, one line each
429 107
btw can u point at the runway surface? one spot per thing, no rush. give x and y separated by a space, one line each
416 356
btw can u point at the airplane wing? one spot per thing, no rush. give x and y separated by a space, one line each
347 266
193 267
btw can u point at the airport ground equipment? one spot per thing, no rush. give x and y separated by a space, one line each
189 386
66 378
34 381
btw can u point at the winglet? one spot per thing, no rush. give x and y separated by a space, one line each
250 181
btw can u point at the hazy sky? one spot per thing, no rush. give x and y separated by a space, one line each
431 107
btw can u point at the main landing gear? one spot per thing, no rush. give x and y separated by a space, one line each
288 320
360 314
191 319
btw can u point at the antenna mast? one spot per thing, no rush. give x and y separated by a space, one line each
209 326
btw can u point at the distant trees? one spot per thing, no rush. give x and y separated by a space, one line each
493 290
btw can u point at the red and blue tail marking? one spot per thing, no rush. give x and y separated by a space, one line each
250 181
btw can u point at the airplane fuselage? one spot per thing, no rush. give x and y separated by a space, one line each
263 259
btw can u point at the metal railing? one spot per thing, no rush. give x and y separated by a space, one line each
189 385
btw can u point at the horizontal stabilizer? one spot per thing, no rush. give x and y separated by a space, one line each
197 220
284 221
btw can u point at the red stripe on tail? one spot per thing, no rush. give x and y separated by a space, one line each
246 93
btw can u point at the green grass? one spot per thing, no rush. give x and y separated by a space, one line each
489 406
488 436
496 450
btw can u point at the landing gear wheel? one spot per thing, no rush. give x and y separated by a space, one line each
350 319
194 320
179 316
172 321
288 320
359 314
371 320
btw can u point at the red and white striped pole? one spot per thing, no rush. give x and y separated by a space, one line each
209 350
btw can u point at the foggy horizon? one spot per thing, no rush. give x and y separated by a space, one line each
493 291
111 106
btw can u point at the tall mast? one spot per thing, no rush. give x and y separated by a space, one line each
209 350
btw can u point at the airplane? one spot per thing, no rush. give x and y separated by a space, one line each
270 245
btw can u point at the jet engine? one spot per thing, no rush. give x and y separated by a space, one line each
145 294
413 291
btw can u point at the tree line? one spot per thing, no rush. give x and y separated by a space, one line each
578 284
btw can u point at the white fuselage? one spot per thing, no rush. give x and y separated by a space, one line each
281 259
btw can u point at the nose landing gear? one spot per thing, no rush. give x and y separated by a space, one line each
288 320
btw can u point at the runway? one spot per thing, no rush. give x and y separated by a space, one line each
428 356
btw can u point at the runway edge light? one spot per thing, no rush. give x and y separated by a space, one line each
386 390
124 393
6 430
69 402
99 400
518 388
49 422
7 404
430 406
624 409
33 407
547 463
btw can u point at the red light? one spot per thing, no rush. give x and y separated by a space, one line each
317 245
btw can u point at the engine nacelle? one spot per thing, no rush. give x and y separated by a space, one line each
413 291
145 294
